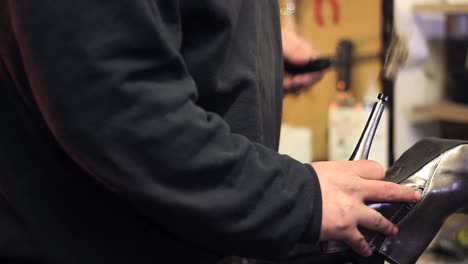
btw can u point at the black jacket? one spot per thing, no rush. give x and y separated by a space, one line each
146 132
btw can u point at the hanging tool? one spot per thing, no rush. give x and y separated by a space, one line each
318 4
394 57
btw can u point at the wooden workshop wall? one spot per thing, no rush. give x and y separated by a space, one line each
360 21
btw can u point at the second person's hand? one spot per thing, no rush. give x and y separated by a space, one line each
297 51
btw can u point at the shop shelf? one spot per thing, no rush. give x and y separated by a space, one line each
442 8
442 111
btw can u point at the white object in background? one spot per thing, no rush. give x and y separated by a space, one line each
406 27
417 28
413 85
296 142
345 128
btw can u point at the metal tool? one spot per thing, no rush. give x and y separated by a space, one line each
361 152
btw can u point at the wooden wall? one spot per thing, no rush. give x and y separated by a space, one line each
360 21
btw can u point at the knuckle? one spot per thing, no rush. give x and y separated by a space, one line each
357 241
353 188
379 221
343 226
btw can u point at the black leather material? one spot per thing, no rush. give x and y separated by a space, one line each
417 156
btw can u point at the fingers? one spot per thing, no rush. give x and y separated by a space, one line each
373 220
287 82
376 190
382 191
369 169
300 82
358 244
296 49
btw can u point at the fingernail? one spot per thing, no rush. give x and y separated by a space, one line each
417 196
395 230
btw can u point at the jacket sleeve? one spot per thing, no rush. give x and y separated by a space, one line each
111 84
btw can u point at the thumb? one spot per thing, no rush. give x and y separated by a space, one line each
368 169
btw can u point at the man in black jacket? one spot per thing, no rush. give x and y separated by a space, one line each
146 132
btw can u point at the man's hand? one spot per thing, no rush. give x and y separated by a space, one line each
297 51
346 186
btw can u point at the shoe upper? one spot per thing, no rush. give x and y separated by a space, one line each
439 169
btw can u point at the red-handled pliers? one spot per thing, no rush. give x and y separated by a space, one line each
335 12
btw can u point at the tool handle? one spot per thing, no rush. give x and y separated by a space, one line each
311 66
344 57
